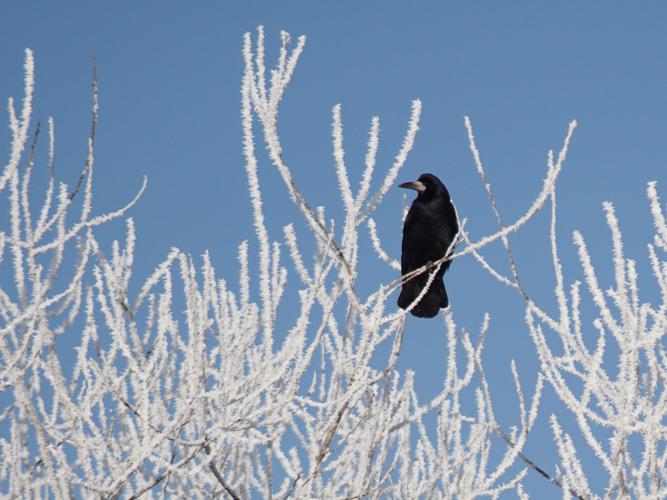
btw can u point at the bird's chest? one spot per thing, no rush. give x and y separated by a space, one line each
425 234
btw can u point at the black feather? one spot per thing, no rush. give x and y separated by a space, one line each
429 229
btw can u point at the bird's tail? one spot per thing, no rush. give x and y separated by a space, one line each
435 299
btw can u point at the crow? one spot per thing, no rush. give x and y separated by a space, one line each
429 229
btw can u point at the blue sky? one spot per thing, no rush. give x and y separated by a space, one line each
170 109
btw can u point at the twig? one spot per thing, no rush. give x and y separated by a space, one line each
292 487
324 449
148 487
219 477
534 466
519 286
520 454
33 146
93 130
494 207
315 222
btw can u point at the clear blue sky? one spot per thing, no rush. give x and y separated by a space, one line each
170 109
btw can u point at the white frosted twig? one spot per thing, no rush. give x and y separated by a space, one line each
91 223
290 238
535 207
658 217
377 246
559 291
370 160
46 206
158 274
256 199
490 269
267 112
592 282
19 127
401 157
339 157
492 200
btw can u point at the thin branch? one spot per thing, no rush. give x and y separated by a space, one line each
221 480
91 137
534 466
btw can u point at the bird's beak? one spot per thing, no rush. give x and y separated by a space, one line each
416 185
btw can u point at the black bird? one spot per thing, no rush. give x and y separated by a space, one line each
429 229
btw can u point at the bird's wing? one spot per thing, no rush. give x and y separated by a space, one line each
445 233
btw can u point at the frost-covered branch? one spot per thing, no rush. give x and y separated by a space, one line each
629 400
208 401
609 377
188 382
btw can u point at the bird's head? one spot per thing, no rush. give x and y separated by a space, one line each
428 186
